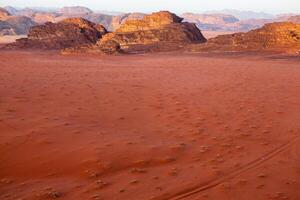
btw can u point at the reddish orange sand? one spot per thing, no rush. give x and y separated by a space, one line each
158 126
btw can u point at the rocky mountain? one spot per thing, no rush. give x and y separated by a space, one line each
158 31
67 33
42 17
279 36
20 24
14 25
243 15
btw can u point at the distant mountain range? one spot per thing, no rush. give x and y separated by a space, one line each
243 15
224 20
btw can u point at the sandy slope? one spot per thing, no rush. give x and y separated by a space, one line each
149 127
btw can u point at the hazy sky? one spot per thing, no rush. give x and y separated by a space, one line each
271 6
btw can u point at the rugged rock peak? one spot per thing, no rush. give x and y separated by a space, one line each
161 31
4 14
279 36
153 21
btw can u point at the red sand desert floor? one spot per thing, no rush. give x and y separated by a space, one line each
141 127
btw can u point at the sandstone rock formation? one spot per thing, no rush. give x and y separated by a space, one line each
279 36
158 31
67 33
158 28
149 22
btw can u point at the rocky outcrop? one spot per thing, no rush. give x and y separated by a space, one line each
280 36
64 34
158 28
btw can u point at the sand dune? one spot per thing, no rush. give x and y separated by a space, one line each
156 126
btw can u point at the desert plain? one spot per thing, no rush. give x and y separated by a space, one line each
160 126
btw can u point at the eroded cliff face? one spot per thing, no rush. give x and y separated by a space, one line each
64 34
279 36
